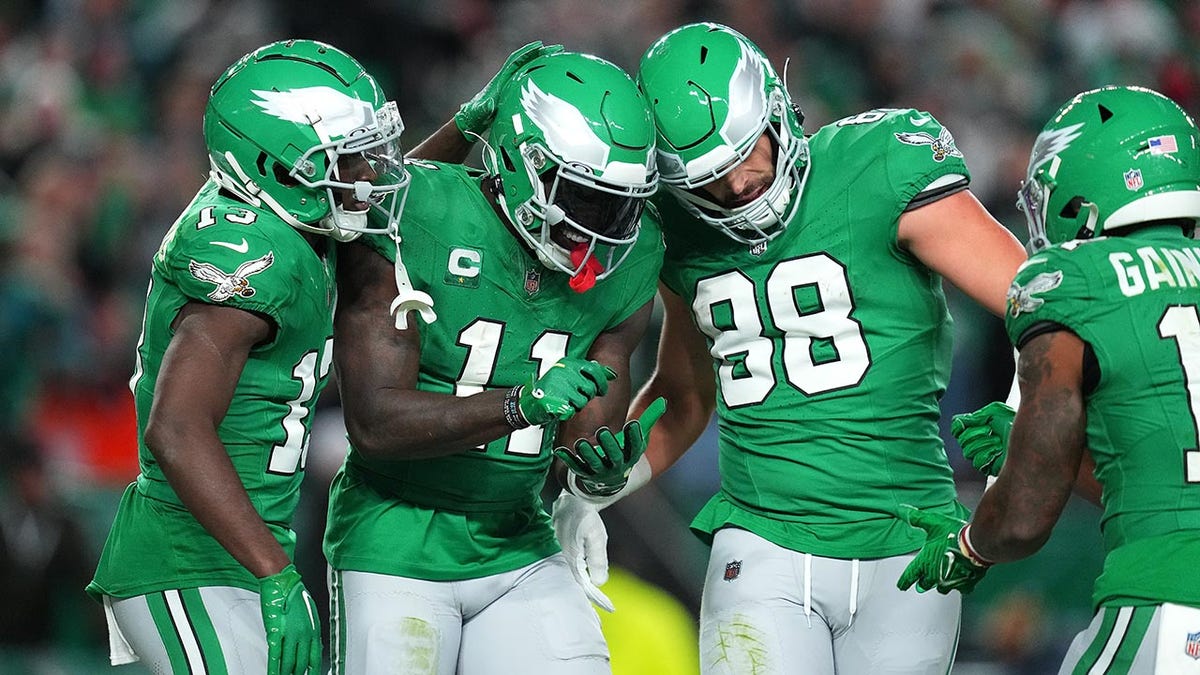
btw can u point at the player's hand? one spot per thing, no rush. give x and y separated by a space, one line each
983 436
290 617
475 116
584 542
941 563
564 390
602 469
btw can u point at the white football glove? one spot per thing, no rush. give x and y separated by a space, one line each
584 542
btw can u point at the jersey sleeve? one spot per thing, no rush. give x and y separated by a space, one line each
235 264
1050 287
919 151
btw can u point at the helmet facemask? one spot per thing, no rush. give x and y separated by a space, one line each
574 216
379 145
767 215
574 154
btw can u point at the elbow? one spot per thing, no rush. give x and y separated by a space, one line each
367 439
165 437
1021 538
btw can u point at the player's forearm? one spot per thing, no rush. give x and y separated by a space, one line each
685 419
419 425
198 468
1017 514
447 144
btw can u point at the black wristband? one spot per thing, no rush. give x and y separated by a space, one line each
512 409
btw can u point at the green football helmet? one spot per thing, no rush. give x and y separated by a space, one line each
1111 158
573 149
713 95
279 119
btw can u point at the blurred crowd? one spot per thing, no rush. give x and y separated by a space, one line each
100 148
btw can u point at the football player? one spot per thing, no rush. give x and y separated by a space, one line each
1106 315
535 278
197 574
802 287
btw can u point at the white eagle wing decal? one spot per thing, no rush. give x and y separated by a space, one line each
338 113
747 100
567 131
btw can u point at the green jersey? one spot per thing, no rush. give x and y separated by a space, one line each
1135 301
831 347
503 318
222 251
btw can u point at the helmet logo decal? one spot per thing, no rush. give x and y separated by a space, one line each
942 146
229 285
1051 142
338 113
1023 298
567 131
1133 180
747 102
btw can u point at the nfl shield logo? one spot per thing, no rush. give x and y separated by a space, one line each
733 569
1192 646
1133 179
533 281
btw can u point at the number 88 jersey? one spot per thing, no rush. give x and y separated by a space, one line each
831 347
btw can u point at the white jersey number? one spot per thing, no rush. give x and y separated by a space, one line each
287 457
1181 323
727 311
482 338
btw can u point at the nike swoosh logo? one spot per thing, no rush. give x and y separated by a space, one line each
240 248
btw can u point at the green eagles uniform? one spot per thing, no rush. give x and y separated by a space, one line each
223 252
503 319
831 347
1135 301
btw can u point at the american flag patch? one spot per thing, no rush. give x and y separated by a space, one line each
1162 145
1192 646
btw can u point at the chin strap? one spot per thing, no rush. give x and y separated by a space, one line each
585 279
409 299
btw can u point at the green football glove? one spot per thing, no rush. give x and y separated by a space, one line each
290 617
602 469
475 116
563 391
983 436
943 562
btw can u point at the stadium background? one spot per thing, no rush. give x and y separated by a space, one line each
100 147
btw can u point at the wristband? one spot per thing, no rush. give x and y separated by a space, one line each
964 545
638 476
512 409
